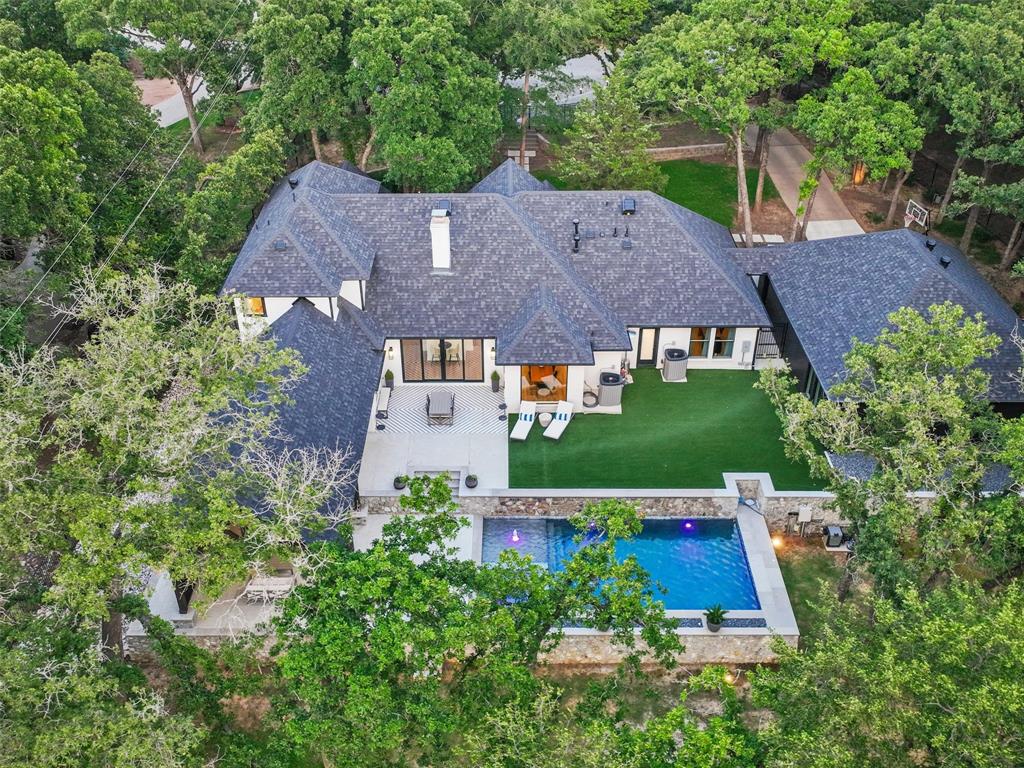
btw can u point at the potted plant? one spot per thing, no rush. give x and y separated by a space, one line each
471 481
495 381
400 482
714 616
389 379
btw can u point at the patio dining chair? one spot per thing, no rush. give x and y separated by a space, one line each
527 415
563 414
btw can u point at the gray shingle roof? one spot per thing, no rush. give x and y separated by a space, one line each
509 179
837 289
861 466
542 331
301 244
331 403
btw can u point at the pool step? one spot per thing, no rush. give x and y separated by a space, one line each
454 477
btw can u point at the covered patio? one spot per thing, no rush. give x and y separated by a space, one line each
669 435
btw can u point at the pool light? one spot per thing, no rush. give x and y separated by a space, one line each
689 526
515 536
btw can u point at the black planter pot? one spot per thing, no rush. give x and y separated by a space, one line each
495 383
471 481
399 484
713 627
389 383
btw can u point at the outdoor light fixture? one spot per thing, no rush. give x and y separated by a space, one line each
730 678
494 352
777 542
515 536
391 353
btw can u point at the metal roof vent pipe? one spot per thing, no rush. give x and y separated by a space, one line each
576 243
945 261
930 244
293 182
441 236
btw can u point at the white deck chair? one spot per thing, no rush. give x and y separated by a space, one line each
560 421
527 415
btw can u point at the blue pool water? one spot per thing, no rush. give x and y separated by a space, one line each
700 562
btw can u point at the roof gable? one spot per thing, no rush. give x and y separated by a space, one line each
542 332
509 179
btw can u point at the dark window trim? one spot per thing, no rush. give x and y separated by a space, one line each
444 372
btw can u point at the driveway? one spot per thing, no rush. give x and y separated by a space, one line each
786 159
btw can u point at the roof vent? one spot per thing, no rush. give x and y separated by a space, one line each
442 209
945 261
293 182
280 245
628 206
576 243
930 245
626 243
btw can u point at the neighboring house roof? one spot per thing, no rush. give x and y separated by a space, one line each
541 330
509 179
837 289
330 403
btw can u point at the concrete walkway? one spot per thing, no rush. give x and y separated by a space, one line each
786 159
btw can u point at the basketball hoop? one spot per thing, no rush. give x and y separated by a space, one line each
916 213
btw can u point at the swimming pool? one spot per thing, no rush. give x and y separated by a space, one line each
700 561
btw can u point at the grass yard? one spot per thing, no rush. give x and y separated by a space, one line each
705 188
805 565
708 188
668 436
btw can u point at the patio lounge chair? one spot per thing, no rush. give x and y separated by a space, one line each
563 412
527 415
441 407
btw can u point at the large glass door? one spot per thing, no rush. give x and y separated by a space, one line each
442 360
647 348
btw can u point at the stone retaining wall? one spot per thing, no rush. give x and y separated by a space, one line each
596 650
682 153
579 649
780 508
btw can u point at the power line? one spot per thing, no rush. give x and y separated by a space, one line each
119 178
170 168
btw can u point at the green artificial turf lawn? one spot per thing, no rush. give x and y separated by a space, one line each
705 188
680 435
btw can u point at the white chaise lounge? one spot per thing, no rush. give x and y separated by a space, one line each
560 421
527 415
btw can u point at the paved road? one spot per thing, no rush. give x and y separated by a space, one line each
830 217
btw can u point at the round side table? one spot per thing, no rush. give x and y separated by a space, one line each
544 419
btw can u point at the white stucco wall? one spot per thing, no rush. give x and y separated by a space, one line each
353 291
277 306
680 337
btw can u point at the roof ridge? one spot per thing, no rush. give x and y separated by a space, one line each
349 224
302 251
565 266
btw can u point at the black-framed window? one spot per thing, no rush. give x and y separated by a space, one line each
700 337
724 340
442 359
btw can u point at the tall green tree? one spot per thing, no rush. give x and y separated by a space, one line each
303 50
922 681
978 51
189 43
853 122
136 453
711 71
432 103
1007 199
606 146
390 654
217 214
537 36
915 402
